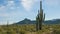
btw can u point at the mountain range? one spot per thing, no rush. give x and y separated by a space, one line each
28 21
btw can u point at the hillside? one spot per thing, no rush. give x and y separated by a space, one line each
28 21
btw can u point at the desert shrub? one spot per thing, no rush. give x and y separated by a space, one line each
56 31
8 32
22 32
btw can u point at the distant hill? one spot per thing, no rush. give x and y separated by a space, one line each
54 21
28 21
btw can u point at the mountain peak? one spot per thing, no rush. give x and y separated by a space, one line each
28 21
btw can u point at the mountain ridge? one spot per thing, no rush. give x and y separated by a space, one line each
28 21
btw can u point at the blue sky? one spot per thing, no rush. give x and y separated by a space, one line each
17 10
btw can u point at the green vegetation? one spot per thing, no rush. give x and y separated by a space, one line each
29 29
37 28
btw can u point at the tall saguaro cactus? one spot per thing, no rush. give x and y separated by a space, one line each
40 18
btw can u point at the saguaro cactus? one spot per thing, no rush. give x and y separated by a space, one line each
40 18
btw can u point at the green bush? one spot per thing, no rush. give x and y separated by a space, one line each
22 32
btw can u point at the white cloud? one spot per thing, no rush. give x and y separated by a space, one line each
11 4
27 4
